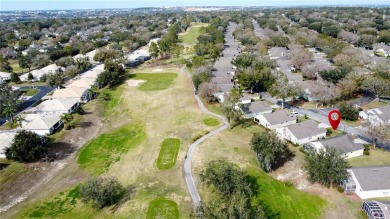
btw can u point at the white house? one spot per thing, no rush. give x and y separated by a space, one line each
368 182
301 133
276 119
253 109
38 73
93 72
4 76
6 139
82 94
349 146
245 100
65 105
42 124
377 116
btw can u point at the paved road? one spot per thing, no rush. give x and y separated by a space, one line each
43 90
321 115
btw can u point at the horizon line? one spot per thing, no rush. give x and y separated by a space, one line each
279 6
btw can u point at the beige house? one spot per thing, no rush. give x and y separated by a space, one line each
82 94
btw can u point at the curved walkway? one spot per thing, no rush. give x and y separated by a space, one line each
187 163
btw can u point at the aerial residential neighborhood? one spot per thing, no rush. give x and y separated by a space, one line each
165 110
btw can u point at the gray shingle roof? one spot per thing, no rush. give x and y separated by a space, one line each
385 115
373 178
278 117
345 143
256 107
305 129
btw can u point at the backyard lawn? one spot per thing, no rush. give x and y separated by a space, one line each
285 201
377 157
168 153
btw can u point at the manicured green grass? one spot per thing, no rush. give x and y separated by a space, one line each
62 203
15 66
98 155
30 92
168 153
213 107
377 157
190 37
10 171
211 121
162 208
155 81
110 98
285 201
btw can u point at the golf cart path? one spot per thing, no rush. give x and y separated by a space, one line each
187 163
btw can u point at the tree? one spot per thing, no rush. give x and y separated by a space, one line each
348 112
367 40
327 166
283 89
379 133
299 56
102 192
154 50
376 86
66 119
65 61
24 62
26 147
201 75
324 92
113 74
334 75
270 151
4 64
15 78
207 91
9 111
229 107
83 64
30 76
8 99
55 79
41 61
233 193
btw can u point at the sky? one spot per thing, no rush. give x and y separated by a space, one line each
6 5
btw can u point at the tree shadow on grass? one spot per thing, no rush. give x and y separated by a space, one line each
129 193
3 165
256 192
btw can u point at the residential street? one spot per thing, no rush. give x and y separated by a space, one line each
43 90
321 115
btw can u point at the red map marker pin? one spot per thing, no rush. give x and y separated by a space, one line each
334 118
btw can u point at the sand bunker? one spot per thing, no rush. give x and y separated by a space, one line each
134 83
158 70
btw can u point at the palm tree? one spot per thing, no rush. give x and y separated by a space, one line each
9 111
18 121
66 118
